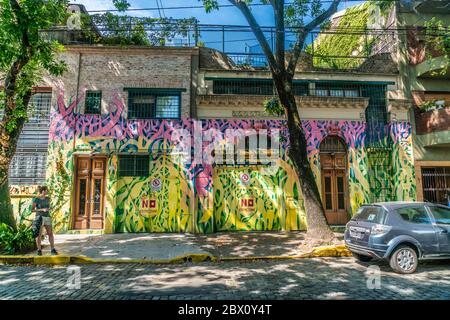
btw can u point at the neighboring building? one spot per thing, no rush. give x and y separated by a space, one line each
425 81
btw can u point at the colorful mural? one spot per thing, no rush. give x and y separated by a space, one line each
198 196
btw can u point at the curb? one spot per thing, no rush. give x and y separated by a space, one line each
326 251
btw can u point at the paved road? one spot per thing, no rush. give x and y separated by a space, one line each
320 278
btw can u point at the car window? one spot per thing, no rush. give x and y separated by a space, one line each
371 214
414 215
441 214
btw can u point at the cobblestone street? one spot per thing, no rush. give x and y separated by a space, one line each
320 278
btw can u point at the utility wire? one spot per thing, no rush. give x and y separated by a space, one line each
219 6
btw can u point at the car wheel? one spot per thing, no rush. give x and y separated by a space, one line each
361 257
404 260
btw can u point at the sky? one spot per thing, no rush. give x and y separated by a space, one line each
235 42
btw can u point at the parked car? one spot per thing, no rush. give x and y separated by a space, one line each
400 232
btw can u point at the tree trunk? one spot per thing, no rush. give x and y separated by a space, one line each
6 210
9 138
317 226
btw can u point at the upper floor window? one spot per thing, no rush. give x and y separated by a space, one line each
336 91
153 104
244 86
93 103
134 165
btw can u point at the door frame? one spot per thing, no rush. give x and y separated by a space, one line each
75 189
346 176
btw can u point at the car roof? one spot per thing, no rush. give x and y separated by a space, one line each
391 205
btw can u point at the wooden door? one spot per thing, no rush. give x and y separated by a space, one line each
89 193
334 187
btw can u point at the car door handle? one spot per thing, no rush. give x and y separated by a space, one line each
443 231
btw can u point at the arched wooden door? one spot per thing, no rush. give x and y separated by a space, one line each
333 162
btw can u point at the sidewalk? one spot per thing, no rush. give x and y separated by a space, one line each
176 247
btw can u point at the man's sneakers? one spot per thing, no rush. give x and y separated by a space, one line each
54 252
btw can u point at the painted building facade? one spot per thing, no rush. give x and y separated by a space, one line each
120 117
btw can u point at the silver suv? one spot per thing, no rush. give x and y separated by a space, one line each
401 232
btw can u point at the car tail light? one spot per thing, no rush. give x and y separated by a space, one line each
380 229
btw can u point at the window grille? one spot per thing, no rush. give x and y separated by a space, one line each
28 167
93 103
39 109
29 164
148 105
376 114
134 165
436 184
337 90
332 144
253 87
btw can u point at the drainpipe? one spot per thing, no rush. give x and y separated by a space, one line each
73 193
76 101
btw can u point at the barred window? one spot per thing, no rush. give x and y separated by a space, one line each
336 90
134 165
145 104
39 108
93 103
28 166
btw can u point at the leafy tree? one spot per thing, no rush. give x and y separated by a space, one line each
24 56
282 67
437 36
128 30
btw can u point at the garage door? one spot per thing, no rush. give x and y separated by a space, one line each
245 199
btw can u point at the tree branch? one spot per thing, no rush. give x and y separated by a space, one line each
242 6
303 33
280 34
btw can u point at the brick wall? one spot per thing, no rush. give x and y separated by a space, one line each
113 69
433 121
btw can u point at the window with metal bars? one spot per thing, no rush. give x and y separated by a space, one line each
436 184
134 165
253 87
145 104
336 90
39 108
93 103
250 87
28 166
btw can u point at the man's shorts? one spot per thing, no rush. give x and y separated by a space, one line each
46 221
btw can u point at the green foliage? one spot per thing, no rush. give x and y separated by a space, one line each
24 57
297 10
128 30
273 107
13 242
121 5
385 6
328 46
20 41
437 39
429 105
